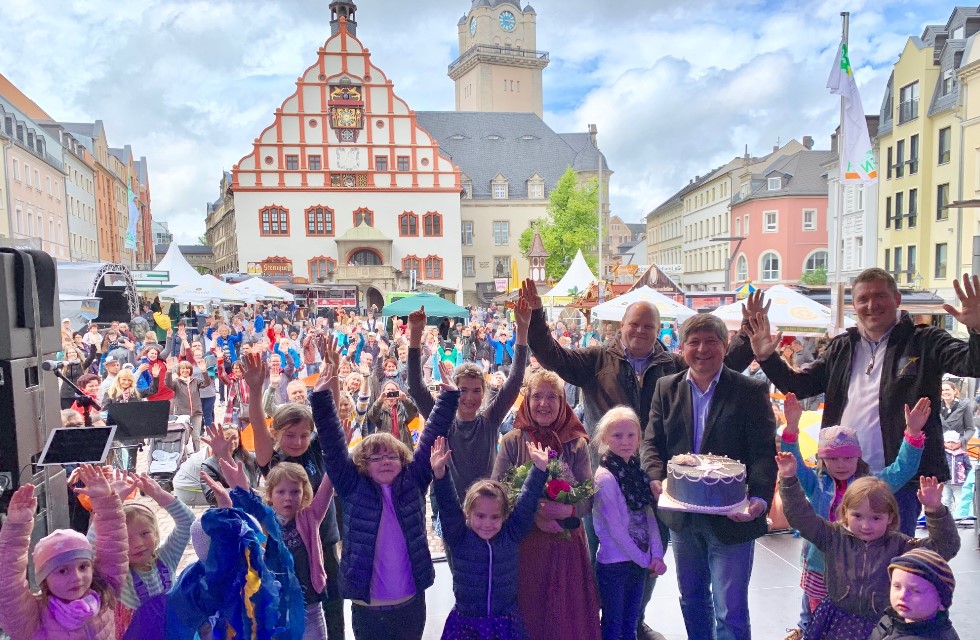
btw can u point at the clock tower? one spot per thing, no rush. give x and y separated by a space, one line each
498 68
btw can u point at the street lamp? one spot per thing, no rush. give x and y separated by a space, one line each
731 258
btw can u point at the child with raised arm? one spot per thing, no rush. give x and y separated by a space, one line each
839 464
386 567
484 536
79 584
859 547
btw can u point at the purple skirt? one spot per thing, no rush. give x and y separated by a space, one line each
833 623
461 627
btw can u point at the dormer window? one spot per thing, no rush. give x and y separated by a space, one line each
535 187
499 187
775 184
493 136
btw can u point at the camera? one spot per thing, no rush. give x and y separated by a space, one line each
391 394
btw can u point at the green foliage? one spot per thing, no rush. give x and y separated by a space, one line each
203 240
572 224
817 276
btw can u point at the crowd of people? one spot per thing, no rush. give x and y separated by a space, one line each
339 433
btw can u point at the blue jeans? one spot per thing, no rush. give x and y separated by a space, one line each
207 408
713 579
909 509
620 594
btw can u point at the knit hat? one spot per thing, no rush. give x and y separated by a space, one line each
930 566
838 442
55 549
951 436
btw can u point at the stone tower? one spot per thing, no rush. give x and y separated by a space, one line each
343 9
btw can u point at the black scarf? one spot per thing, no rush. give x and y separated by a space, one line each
632 481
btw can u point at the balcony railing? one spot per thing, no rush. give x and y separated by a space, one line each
908 110
487 49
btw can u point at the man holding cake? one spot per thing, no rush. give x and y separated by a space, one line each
709 450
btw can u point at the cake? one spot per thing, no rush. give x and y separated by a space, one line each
704 484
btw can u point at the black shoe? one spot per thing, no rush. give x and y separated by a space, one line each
644 632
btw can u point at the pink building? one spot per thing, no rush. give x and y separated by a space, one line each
782 216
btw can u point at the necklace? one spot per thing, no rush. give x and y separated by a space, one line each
873 345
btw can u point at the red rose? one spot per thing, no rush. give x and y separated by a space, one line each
556 486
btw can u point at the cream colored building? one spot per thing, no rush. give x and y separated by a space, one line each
665 232
919 143
5 231
964 222
220 228
498 68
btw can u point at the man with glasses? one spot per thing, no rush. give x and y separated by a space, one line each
884 364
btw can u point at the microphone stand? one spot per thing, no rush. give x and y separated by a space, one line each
85 402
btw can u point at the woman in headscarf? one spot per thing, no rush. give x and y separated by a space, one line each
557 593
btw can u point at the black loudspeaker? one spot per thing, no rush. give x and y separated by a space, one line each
21 435
21 274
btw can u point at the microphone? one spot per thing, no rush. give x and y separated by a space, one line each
51 365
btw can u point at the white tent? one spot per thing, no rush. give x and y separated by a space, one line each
174 263
669 309
577 279
791 312
206 289
263 290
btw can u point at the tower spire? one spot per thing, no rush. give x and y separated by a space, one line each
343 9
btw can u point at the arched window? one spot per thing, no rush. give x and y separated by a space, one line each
816 260
432 224
770 267
365 257
433 268
321 267
411 262
364 215
408 224
274 221
319 221
741 269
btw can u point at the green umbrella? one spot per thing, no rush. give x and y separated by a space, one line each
434 306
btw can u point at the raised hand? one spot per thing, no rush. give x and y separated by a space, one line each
522 313
969 295
23 505
122 482
439 457
214 437
529 294
255 372
96 485
538 454
793 411
152 489
326 379
787 464
446 370
327 346
760 336
754 305
221 496
915 418
234 474
930 494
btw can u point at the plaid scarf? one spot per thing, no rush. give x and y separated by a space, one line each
631 478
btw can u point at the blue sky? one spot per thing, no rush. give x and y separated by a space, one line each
676 88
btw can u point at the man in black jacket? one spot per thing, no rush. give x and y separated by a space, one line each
883 365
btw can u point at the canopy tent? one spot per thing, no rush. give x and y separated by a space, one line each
263 290
577 279
791 312
174 263
434 307
615 308
206 289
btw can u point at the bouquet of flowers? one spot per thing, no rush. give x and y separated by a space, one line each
560 486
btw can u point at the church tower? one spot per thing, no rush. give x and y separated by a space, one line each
498 68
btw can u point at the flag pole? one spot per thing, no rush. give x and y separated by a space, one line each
839 289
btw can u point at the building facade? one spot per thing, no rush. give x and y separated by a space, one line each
498 68
920 147
220 228
963 222
83 230
665 231
145 254
783 219
345 185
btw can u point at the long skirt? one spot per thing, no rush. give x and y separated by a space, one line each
463 627
833 623
557 594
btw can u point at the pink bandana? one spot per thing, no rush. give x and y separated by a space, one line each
73 615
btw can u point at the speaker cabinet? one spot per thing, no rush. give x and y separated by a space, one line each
21 273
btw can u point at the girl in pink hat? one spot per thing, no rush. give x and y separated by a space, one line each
79 584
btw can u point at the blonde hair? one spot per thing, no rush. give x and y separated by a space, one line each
115 391
290 414
292 472
137 513
375 443
879 496
620 413
543 376
487 489
342 398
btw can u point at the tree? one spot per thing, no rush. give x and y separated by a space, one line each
203 240
814 276
572 223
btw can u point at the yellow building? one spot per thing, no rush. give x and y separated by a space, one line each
964 223
919 146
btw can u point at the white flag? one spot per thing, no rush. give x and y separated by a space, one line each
857 158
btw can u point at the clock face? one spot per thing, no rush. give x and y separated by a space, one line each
507 21
346 117
472 26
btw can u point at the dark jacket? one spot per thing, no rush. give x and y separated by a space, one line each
856 572
362 497
740 425
605 376
915 360
893 627
959 418
485 571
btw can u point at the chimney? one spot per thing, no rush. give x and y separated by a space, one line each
808 142
696 178
775 148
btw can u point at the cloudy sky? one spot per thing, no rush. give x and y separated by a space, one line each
676 87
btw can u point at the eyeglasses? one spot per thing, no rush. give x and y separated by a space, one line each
545 397
391 457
